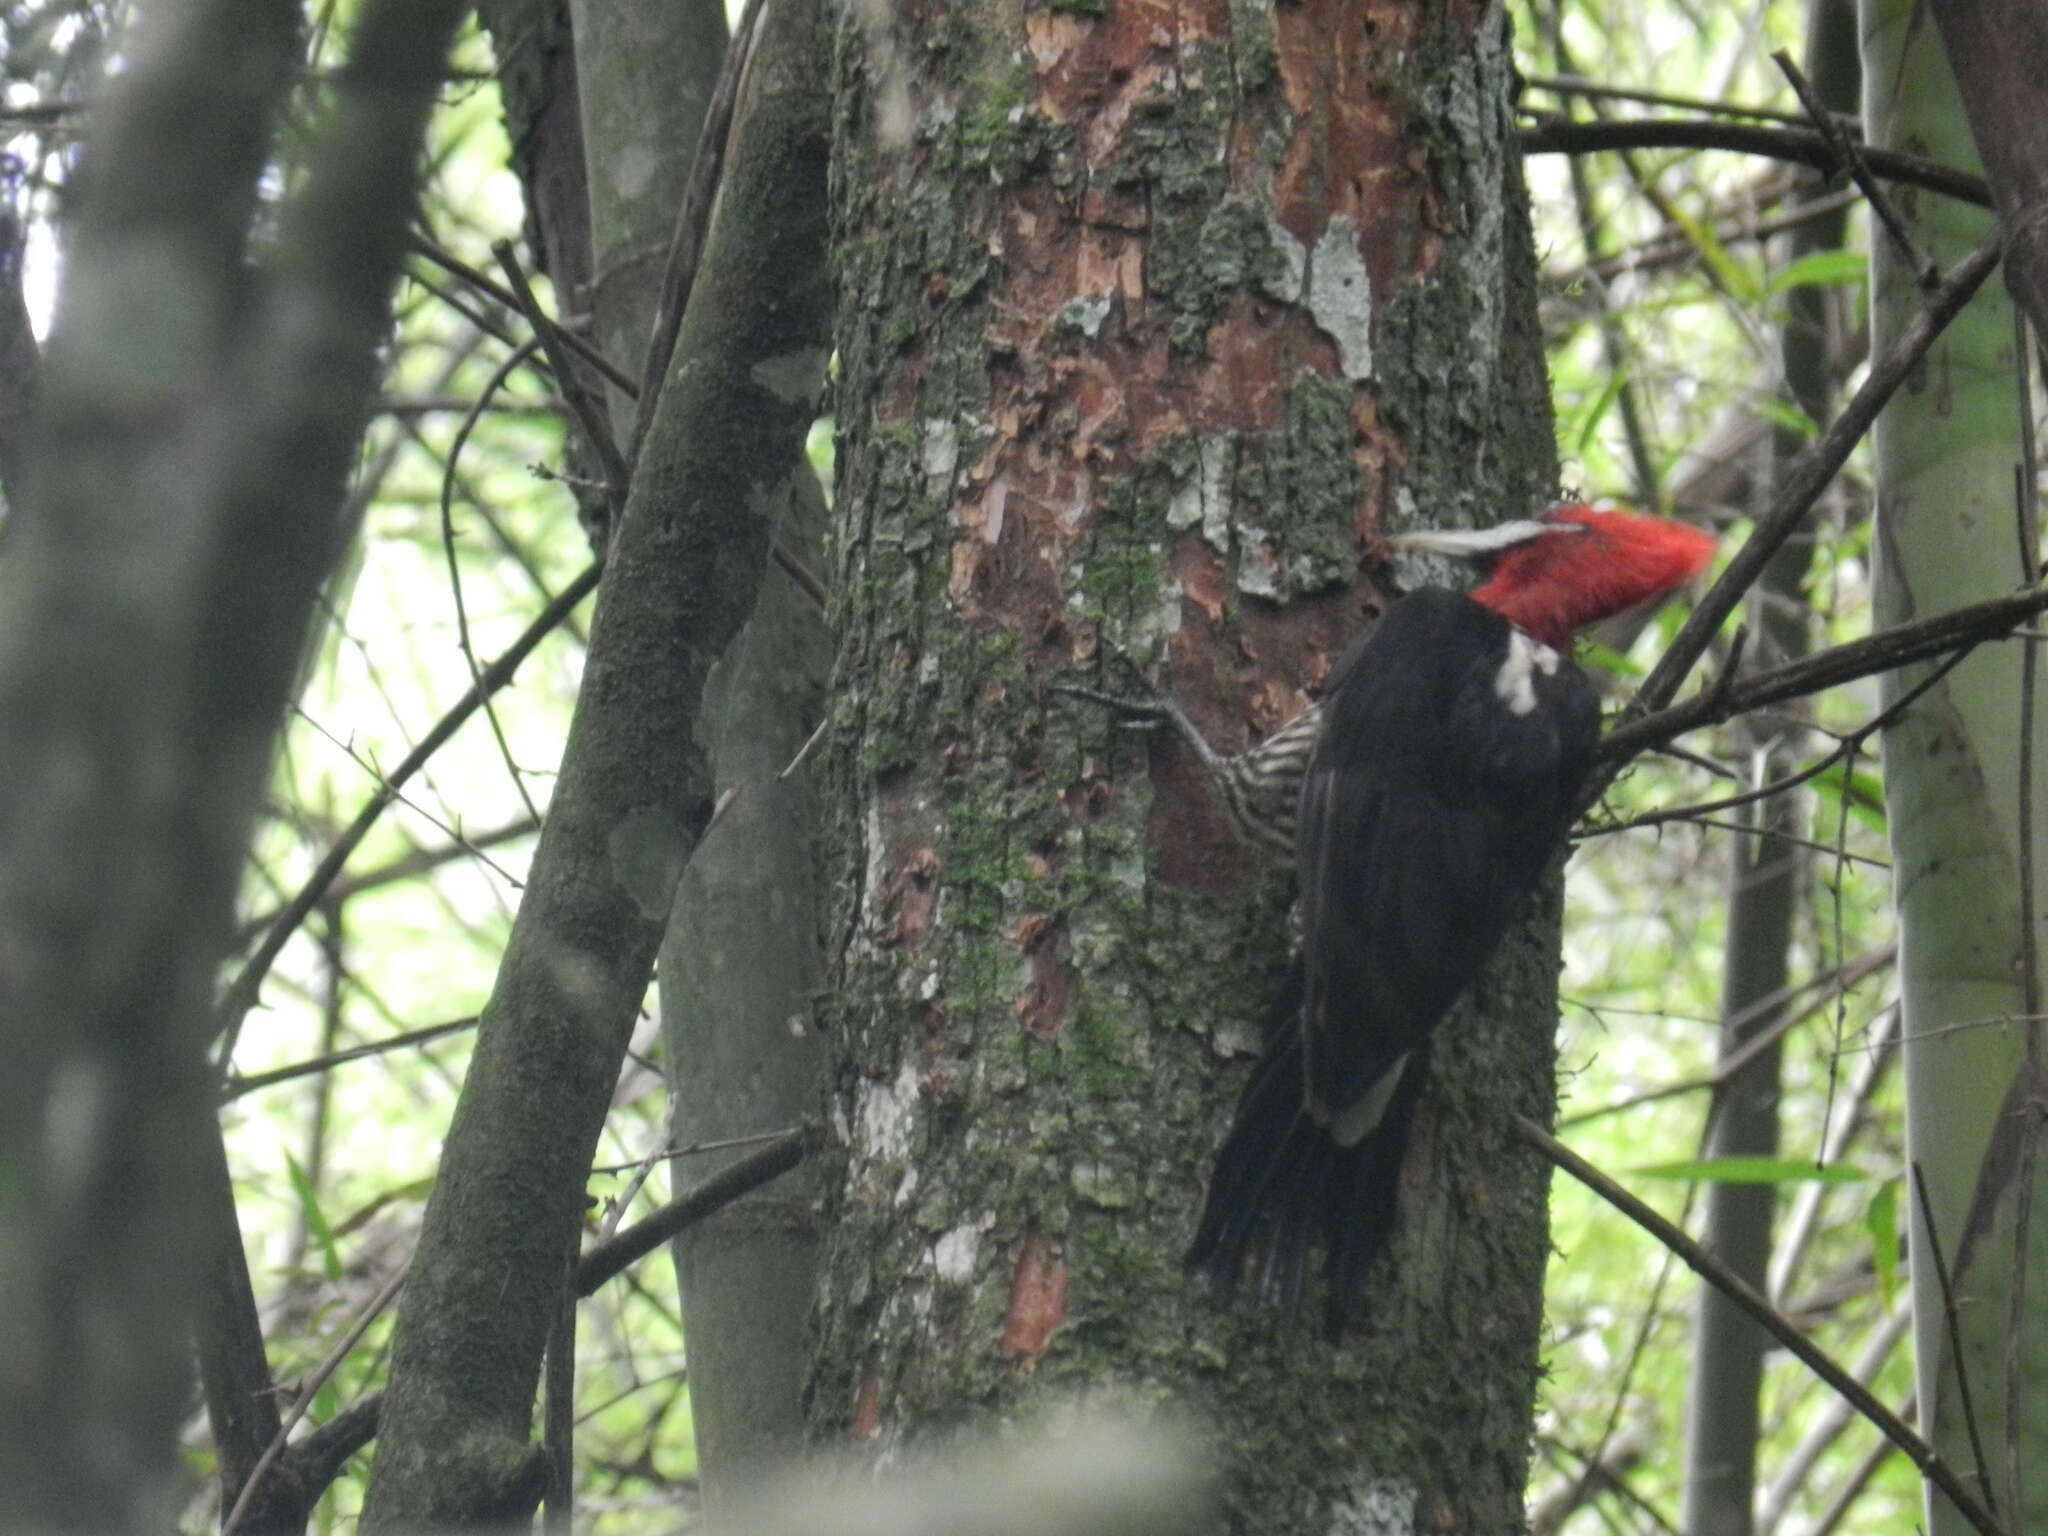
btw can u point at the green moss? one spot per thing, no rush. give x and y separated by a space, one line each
1206 243
993 128
1202 253
1102 1055
1118 579
1304 489
1253 46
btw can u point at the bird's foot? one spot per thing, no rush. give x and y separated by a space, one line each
1143 712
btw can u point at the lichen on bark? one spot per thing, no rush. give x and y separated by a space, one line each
1102 402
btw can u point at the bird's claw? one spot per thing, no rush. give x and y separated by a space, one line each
1143 714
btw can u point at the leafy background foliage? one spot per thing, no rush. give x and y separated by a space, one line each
1660 308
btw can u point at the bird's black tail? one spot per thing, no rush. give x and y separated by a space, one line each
1282 1187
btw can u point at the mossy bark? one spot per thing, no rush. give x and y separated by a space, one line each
634 794
1151 320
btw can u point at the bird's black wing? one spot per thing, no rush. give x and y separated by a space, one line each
1429 811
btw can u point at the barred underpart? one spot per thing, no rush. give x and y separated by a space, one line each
1261 786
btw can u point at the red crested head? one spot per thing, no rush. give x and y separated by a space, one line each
1576 565
1585 565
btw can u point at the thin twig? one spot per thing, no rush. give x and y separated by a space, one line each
369 766
1736 1289
1790 839
497 379
2030 982
1840 980
695 1149
406 866
1792 1477
596 429
693 220
1595 90
1669 247
1901 645
801 574
1805 479
1851 1487
638 1173
455 266
1926 271
727 800
804 752
1731 667
248 983
1557 135
1614 341
485 322
348 750
238 1086
607 1259
2027 509
1955 1328
307 1392
1699 760
1850 751
1846 747
1880 1045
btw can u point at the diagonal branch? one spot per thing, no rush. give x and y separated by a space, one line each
248 983
1768 1317
632 798
1806 478
1899 646
1552 135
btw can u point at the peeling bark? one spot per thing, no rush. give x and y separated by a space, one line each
1151 321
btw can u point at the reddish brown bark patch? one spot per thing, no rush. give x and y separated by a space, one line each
904 906
867 1409
1350 156
1038 1299
1047 1001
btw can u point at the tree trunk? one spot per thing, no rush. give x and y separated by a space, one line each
739 975
175 513
1146 330
1960 769
633 796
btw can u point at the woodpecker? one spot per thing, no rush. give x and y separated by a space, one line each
1421 800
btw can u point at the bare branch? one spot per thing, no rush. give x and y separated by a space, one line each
1849 156
1899 646
1769 1318
1552 135
242 993
1807 477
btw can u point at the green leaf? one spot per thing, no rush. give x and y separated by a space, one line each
1589 423
1881 1220
1785 414
1736 276
1753 1170
1863 788
1822 269
1620 663
316 1218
